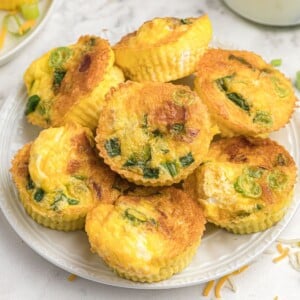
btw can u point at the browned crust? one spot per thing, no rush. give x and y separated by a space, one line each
85 72
214 65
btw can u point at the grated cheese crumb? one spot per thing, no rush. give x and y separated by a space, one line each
208 288
284 254
72 277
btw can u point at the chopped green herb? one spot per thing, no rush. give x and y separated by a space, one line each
59 56
259 206
297 83
30 184
145 121
254 172
165 151
32 103
280 89
112 147
241 60
277 179
157 133
263 117
39 195
177 128
80 177
151 173
171 167
92 41
223 82
135 216
58 76
139 159
276 62
30 11
73 201
238 100
186 160
183 97
185 21
247 186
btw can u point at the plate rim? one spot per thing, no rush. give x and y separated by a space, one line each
268 236
6 57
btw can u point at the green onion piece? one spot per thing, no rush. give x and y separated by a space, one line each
30 184
157 133
30 11
247 187
73 201
254 172
113 147
259 206
151 173
171 167
12 23
59 56
263 117
276 62
223 82
280 89
186 160
277 179
281 160
238 100
185 21
32 103
39 195
298 80
177 128
58 77
135 216
139 159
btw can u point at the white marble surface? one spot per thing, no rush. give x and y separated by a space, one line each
23 273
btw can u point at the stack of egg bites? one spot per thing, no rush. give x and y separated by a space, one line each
142 164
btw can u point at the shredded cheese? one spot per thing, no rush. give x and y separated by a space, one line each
223 279
208 288
26 26
293 242
72 277
279 248
284 254
2 36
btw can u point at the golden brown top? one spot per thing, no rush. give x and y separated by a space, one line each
153 133
244 94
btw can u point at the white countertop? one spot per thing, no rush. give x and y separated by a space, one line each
26 275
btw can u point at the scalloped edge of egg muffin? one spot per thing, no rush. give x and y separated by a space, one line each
195 156
161 266
82 73
231 120
260 219
166 60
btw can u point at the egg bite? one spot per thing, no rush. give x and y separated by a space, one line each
163 49
153 133
244 94
60 177
68 84
245 185
146 236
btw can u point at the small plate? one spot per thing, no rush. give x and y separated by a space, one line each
13 45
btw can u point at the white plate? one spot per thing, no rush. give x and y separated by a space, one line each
220 252
13 45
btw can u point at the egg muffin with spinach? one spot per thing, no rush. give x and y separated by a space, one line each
163 49
70 83
153 133
60 177
147 235
245 185
244 94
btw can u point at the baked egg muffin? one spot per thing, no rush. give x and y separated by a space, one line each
60 177
146 237
163 49
153 133
244 94
245 185
68 84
